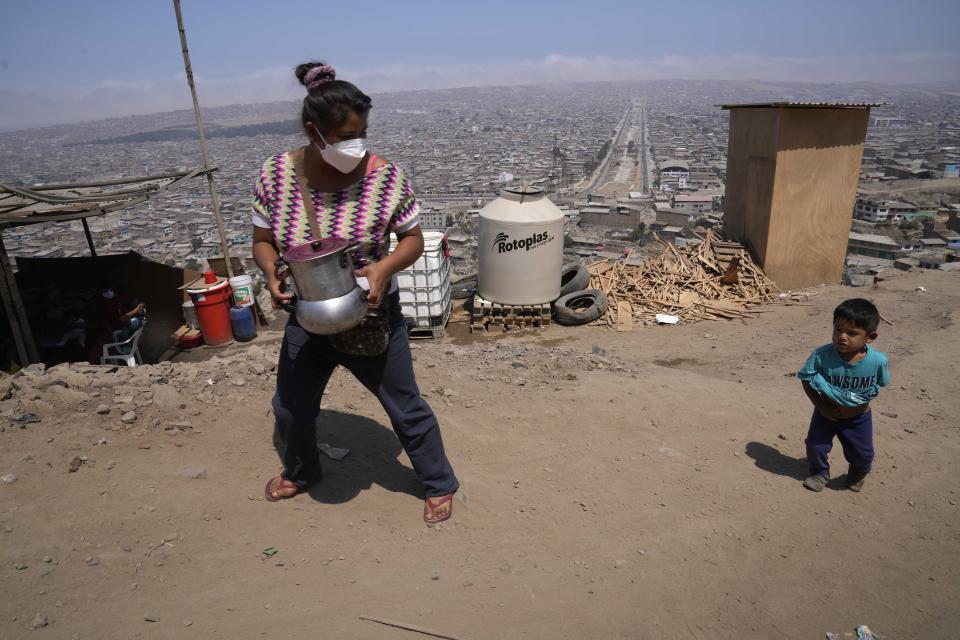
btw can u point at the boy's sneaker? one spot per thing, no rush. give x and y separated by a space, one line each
855 478
816 482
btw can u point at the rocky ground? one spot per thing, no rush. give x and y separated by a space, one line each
635 485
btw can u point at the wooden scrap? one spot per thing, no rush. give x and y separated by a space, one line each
624 316
709 280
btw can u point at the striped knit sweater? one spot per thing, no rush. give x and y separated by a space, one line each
365 212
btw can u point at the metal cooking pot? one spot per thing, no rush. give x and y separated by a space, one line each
329 300
326 317
322 269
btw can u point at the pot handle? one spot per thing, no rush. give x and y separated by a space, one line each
281 268
290 307
343 256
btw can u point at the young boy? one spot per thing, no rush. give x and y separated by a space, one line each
841 378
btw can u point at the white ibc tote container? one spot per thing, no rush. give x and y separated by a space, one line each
425 285
520 250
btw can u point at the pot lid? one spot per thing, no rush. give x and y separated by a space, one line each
316 249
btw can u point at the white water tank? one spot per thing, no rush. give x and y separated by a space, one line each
520 250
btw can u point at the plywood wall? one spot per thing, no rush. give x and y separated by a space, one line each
791 187
818 165
751 167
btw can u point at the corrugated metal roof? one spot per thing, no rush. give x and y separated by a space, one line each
875 238
805 105
21 205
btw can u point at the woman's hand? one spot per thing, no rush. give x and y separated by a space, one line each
273 267
277 294
378 278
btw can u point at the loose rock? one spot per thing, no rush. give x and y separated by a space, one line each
40 621
65 396
167 398
26 418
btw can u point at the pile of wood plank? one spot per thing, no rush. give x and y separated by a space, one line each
709 280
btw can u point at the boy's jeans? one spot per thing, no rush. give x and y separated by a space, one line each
855 435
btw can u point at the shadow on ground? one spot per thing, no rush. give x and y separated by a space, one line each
373 459
771 460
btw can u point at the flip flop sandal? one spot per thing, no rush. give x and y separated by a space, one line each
436 503
273 485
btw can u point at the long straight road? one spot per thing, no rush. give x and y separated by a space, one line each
643 151
621 169
599 175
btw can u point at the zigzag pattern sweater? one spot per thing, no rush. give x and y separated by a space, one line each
365 212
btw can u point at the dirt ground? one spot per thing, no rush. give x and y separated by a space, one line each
614 485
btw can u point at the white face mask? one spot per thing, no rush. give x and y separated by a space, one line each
343 156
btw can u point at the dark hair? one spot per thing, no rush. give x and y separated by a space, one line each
859 312
329 101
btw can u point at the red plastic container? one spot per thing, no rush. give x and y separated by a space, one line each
191 339
213 313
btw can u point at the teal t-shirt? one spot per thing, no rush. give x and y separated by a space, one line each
849 385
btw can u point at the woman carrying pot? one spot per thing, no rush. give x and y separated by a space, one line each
361 198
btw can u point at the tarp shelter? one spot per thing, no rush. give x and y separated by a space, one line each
23 205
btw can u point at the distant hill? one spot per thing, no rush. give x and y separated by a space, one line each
243 119
176 133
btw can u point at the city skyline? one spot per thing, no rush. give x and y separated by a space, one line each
111 60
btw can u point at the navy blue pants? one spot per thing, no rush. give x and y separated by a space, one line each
855 435
306 363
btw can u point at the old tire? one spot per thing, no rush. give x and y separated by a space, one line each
463 290
580 307
573 278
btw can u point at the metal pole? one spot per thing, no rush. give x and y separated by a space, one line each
214 199
86 231
16 314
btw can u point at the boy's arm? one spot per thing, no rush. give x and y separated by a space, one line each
827 409
883 373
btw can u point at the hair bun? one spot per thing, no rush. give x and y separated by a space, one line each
315 74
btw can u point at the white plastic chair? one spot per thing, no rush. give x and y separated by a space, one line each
132 358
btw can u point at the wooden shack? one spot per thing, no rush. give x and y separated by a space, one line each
792 171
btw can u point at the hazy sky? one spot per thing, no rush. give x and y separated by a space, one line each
72 60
